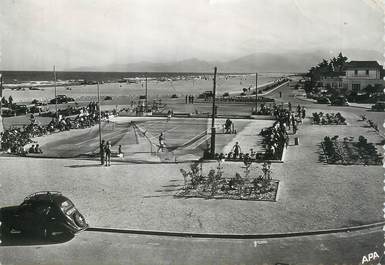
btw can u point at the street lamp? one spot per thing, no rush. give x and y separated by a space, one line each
212 146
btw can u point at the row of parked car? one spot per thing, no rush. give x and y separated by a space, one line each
337 101
342 101
36 106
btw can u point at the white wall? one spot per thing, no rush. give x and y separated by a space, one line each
361 74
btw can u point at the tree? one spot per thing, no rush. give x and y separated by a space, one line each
4 101
370 90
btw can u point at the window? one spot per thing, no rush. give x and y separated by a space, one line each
356 87
355 72
367 72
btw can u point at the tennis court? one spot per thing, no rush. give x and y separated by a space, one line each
139 138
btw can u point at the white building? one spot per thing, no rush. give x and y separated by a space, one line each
360 74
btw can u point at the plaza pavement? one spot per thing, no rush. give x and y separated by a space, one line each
311 195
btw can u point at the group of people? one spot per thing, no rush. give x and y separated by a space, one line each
189 99
13 140
289 118
275 138
229 126
35 149
105 151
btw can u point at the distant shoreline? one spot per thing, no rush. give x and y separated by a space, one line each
26 79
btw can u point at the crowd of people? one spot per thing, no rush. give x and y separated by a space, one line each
189 99
275 138
13 140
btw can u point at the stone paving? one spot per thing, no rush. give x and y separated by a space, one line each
311 195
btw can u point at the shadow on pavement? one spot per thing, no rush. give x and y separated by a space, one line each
81 166
16 238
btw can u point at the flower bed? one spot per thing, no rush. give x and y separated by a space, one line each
328 119
216 186
348 152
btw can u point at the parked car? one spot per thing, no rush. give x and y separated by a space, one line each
22 109
323 100
7 112
46 214
37 102
379 106
206 94
340 101
107 98
38 109
61 99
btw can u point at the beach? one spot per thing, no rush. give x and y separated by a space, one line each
157 88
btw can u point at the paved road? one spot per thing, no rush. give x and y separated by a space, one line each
287 96
117 248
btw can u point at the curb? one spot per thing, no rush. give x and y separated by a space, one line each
234 236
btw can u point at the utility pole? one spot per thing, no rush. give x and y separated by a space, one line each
1 105
100 120
146 96
54 77
256 93
212 146
1 95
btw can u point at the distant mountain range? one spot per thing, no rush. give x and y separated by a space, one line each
257 62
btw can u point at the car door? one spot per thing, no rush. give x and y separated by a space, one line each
32 216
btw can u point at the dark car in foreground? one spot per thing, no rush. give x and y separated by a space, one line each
45 214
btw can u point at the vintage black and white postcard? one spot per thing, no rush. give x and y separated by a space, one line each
220 132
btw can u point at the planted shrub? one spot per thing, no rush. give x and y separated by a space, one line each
349 152
216 185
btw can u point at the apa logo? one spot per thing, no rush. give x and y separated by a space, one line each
369 257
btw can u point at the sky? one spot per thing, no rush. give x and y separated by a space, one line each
37 34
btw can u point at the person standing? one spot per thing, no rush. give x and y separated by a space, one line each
161 142
303 113
169 115
287 139
38 149
107 149
237 150
102 152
